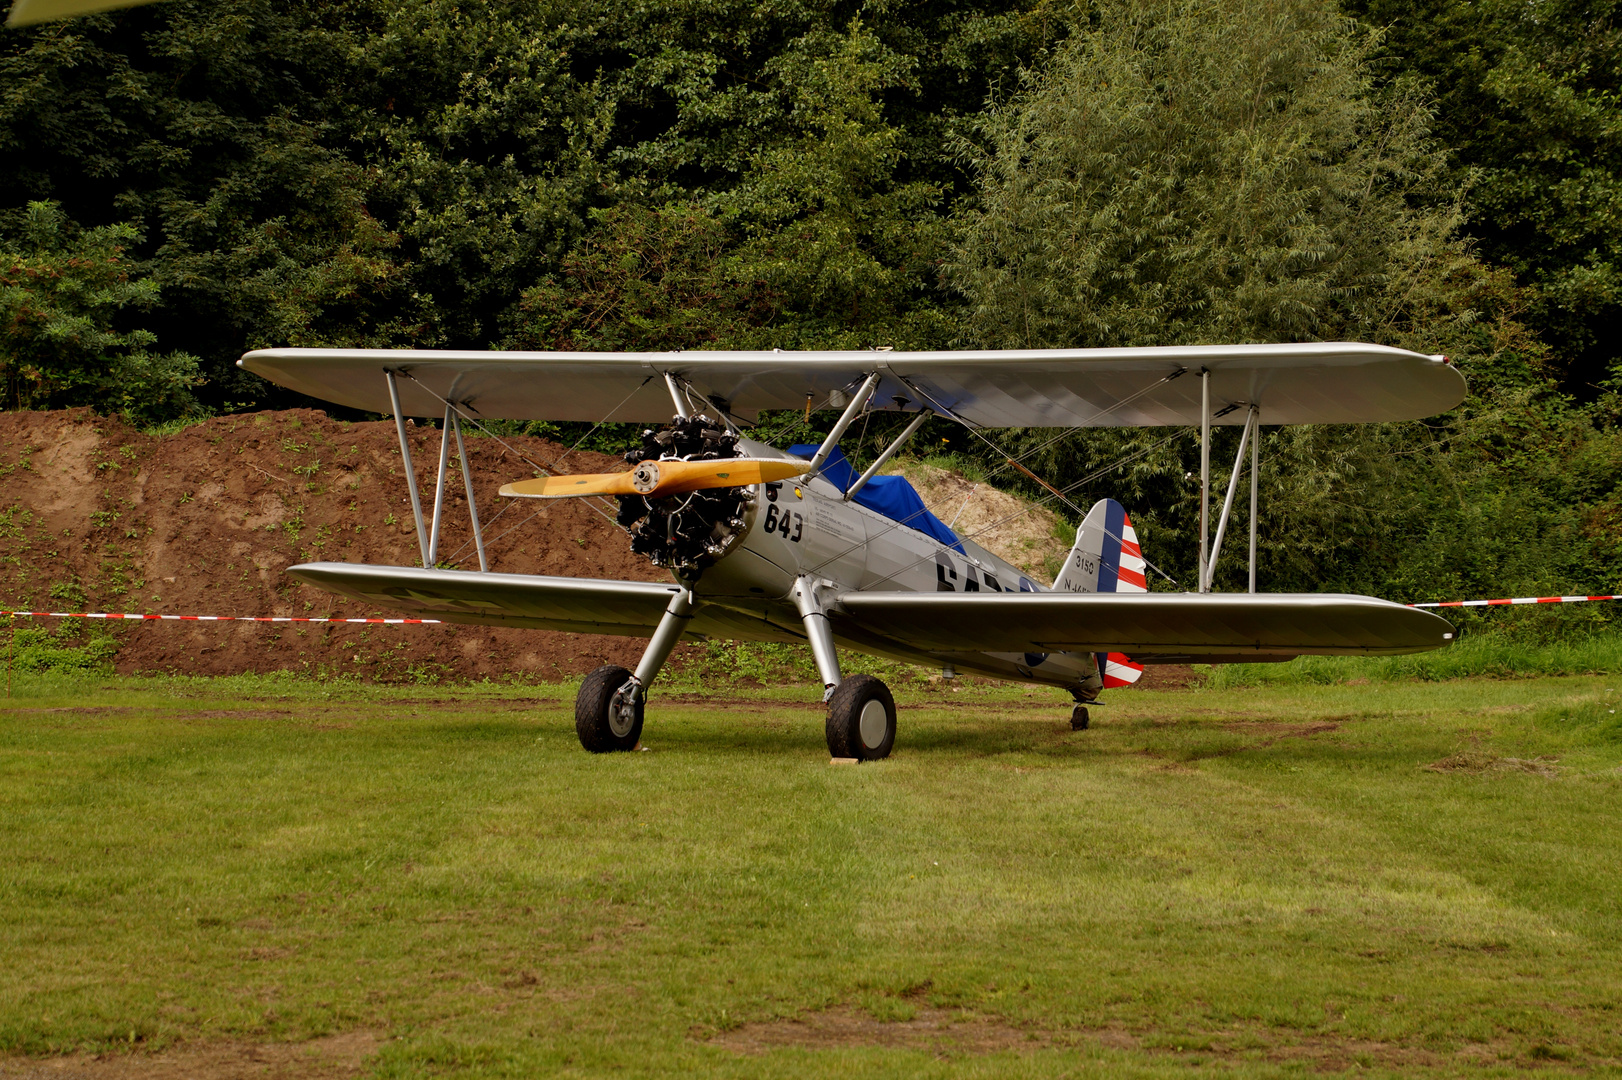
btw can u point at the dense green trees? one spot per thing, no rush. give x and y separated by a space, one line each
193 178
1209 172
433 173
1529 104
63 292
207 129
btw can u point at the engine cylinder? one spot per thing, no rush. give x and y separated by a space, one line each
684 533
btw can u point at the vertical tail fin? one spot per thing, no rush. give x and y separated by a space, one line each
1106 557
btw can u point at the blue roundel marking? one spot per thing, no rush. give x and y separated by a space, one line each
1033 659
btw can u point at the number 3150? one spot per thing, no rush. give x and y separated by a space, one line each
789 523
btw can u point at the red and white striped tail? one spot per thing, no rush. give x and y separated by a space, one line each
1119 670
1106 557
1130 573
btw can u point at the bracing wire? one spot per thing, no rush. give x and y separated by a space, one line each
523 456
1088 478
1010 461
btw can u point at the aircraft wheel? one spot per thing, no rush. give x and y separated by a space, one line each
1078 718
861 719
603 725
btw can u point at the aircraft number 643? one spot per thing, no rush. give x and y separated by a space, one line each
779 522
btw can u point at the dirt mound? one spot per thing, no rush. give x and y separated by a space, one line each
96 516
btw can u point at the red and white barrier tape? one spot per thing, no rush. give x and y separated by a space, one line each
1116 657
1518 600
204 618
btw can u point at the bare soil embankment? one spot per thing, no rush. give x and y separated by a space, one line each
96 516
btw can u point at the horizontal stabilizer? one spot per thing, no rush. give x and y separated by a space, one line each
1232 627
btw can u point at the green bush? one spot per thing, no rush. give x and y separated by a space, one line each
33 649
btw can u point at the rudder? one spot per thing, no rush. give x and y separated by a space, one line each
1106 556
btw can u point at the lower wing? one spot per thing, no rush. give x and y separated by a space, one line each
1149 627
578 605
1208 627
582 605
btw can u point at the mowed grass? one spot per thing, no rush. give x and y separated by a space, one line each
1267 880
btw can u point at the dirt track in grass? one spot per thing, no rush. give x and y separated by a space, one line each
329 1058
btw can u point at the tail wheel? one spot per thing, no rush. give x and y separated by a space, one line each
604 719
861 719
1078 718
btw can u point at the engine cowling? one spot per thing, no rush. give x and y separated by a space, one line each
688 532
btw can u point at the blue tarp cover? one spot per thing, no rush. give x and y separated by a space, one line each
891 496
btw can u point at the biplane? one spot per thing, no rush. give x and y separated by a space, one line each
794 545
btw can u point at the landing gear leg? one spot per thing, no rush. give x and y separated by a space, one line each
819 634
608 709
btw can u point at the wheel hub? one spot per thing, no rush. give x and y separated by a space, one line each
873 724
622 709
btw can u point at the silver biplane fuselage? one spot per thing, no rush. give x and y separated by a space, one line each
809 530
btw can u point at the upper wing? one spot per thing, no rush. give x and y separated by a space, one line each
580 605
1210 626
1325 382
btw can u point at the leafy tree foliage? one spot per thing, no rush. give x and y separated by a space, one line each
1529 101
429 173
206 127
65 300
1198 174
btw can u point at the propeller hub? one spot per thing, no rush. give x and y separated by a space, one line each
645 477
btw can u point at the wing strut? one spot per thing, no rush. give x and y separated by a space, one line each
857 403
410 469
1255 479
878 462
676 396
1247 433
472 504
1205 476
428 539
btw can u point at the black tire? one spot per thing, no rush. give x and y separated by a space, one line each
1078 718
847 708
591 720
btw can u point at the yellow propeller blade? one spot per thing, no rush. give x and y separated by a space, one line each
656 479
563 487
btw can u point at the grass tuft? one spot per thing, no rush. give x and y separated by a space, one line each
1489 655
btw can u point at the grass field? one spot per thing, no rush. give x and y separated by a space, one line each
1275 880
